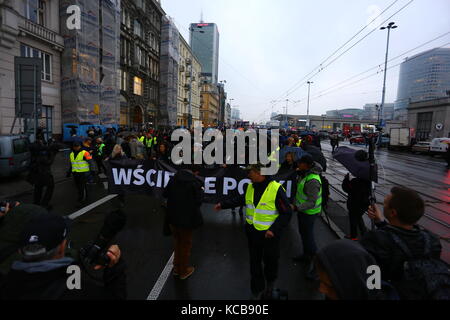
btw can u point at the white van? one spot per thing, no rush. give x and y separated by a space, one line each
439 146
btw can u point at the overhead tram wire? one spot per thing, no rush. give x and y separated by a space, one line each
348 49
378 65
337 50
371 75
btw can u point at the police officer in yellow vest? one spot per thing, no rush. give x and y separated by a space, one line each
80 166
308 204
268 213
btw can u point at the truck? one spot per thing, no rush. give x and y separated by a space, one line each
400 138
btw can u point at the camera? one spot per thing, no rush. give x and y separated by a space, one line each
95 253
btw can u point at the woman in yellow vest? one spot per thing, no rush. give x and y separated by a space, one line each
308 204
268 213
80 165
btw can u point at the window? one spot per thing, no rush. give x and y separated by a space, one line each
138 86
35 11
29 52
123 80
139 54
137 28
20 146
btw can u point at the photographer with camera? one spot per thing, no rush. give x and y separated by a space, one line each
43 272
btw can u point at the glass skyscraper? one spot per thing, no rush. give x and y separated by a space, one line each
425 76
205 45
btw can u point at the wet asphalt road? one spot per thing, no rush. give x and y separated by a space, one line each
425 174
220 252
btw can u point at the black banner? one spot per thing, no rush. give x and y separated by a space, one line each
150 177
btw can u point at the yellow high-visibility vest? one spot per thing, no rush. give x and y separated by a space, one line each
302 198
265 213
78 163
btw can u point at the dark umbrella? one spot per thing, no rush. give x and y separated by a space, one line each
359 169
317 156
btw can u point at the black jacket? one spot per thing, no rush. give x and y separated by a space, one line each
358 191
281 202
389 256
184 198
22 284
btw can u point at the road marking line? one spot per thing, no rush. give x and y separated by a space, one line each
159 285
91 206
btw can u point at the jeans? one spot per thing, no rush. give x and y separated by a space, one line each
306 230
264 256
183 244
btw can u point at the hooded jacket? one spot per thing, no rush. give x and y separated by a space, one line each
47 280
311 189
184 198
346 263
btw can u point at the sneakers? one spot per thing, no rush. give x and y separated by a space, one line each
190 271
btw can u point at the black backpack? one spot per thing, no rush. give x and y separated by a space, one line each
424 278
325 191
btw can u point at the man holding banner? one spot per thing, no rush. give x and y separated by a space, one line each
268 212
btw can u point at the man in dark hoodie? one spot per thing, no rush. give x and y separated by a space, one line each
42 273
184 198
268 213
342 269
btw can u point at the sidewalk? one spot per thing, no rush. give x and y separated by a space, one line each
14 186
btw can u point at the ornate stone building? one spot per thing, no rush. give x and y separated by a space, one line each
139 62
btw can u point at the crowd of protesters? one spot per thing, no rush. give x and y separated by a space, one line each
407 255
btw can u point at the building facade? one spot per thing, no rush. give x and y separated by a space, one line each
210 104
140 62
189 78
235 115
170 57
31 28
430 119
205 45
425 76
228 115
371 111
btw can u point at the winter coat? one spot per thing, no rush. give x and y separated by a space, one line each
358 191
389 255
47 280
184 198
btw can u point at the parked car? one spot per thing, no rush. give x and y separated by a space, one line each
385 140
15 156
357 140
421 147
439 146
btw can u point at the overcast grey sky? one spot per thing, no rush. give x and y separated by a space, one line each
267 46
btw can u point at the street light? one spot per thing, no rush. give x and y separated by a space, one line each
307 109
390 26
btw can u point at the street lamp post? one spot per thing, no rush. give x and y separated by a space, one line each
286 115
307 109
390 26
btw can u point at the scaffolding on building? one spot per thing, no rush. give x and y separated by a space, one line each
170 56
90 63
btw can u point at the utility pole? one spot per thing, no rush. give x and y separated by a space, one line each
307 109
286 117
390 26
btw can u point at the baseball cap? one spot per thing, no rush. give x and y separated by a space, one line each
308 159
76 144
255 167
44 232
